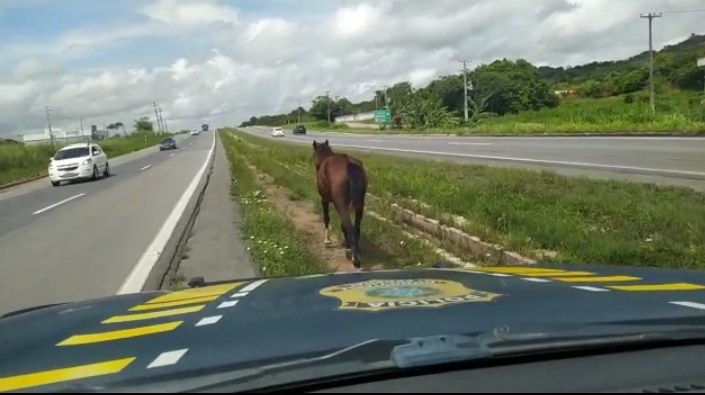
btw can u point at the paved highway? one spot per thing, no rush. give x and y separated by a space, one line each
661 160
83 240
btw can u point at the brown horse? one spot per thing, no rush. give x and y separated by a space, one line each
341 179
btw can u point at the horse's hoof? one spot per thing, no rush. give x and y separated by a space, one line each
327 242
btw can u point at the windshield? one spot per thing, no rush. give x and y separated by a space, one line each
71 153
346 171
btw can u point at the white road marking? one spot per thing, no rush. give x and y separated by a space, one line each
209 320
251 287
536 280
171 154
167 358
135 281
145 167
375 141
227 304
47 208
454 143
692 305
239 294
591 289
525 160
499 274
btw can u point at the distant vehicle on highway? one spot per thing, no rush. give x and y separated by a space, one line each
78 162
277 132
167 144
195 132
300 129
204 127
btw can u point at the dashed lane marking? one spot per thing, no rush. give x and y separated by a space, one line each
591 289
156 306
145 167
658 287
692 305
209 320
47 208
167 358
499 274
239 294
598 279
155 314
227 304
31 380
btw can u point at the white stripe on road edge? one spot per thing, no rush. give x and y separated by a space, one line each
167 358
587 165
591 289
138 276
692 305
253 286
227 304
536 280
454 143
58 204
209 320
145 168
499 274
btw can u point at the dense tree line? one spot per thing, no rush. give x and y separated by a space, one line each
506 86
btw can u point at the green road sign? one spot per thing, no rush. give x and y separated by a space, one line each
383 116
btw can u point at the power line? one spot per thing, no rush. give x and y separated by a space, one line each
652 99
685 11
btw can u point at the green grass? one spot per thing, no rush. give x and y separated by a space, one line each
19 161
273 242
582 220
381 239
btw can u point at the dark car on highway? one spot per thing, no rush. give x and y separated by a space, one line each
300 129
167 144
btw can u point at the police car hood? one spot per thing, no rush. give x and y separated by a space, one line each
104 343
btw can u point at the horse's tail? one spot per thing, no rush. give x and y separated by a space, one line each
358 189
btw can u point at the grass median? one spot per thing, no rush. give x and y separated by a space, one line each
381 241
538 214
19 162
273 242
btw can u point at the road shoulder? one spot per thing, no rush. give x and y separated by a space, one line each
215 249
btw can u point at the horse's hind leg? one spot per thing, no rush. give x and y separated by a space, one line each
326 221
358 222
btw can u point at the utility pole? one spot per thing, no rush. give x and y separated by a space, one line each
298 113
156 115
81 119
328 105
652 99
166 128
161 120
465 88
51 133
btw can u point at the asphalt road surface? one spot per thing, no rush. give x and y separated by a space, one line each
82 240
661 160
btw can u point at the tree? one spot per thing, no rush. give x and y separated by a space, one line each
320 107
144 124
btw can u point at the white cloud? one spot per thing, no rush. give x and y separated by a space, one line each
223 64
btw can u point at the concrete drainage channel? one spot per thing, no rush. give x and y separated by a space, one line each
169 260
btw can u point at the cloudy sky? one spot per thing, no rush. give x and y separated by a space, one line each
220 61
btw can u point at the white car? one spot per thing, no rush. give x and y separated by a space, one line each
195 132
277 132
78 162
